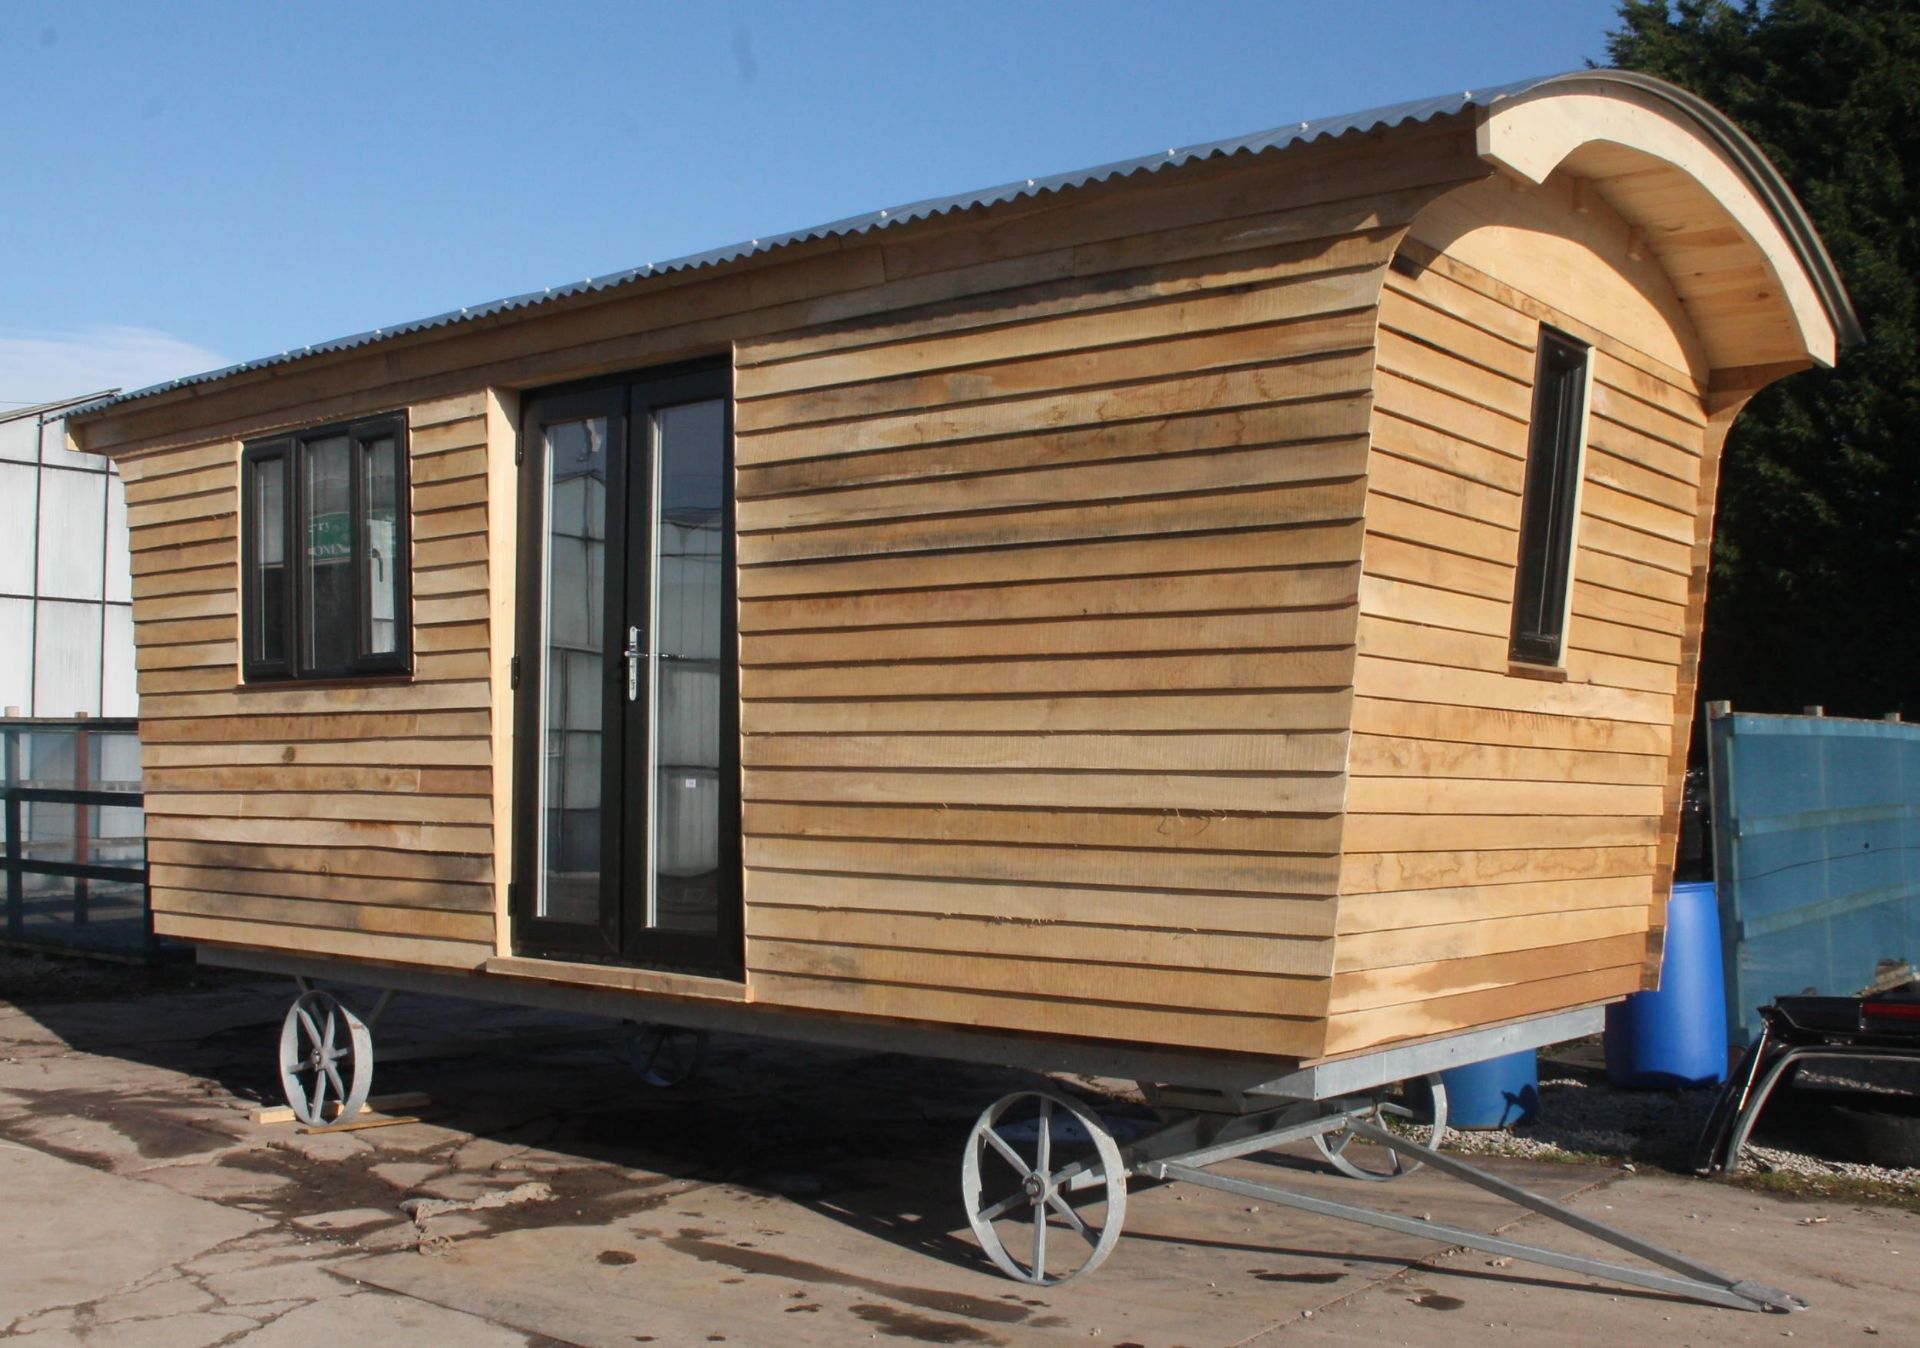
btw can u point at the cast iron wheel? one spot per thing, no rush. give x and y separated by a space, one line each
326 1059
1043 1152
1425 1121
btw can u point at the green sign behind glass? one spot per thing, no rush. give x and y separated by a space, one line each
330 536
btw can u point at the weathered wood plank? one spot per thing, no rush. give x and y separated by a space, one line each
380 948
1161 475
1160 829
1293 794
1261 920
1192 711
1458 940
1255 508
1261 546
1143 634
1360 1030
1043 1015
1039 863
1195 671
1323 751
386 892
1368 989
1081 980
1310 584
1402 910
1041 943
365 918
1363 873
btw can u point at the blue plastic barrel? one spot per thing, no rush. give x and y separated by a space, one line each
1676 1037
1497 1093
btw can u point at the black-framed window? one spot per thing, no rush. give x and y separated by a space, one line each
1551 500
324 583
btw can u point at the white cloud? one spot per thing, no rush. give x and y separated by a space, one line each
46 366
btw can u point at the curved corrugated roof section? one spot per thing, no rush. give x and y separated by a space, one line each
1774 190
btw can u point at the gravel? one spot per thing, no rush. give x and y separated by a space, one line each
1581 1117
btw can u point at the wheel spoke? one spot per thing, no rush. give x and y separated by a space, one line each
1040 1242
333 1075
326 1033
1043 1145
1059 1205
1005 1205
319 1096
313 1031
1005 1148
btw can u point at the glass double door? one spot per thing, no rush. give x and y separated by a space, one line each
627 846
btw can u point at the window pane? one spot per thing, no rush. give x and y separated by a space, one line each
688 623
267 623
1551 494
328 607
381 493
574 640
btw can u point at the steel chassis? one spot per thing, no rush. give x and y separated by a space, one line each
1218 1109
1190 1143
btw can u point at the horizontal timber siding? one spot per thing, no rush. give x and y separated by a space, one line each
1048 620
1050 526
1504 831
351 820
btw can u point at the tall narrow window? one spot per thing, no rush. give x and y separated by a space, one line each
1552 500
325 552
265 618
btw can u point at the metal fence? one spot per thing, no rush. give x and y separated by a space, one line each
1816 838
74 847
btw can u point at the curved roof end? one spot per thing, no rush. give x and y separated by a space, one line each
1532 147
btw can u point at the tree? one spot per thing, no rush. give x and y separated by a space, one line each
1815 591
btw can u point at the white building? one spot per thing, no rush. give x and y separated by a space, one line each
66 592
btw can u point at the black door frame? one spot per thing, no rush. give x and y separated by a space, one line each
620 935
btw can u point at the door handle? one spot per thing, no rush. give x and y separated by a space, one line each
633 654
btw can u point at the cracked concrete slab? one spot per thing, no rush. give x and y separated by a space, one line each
381 1317
760 1267
52 1250
1857 1284
198 1330
788 1195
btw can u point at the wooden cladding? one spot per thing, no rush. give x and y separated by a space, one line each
1503 834
1048 629
346 820
1125 604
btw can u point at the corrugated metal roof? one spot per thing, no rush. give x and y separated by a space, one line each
1278 138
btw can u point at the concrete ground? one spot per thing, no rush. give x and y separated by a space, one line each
791 1195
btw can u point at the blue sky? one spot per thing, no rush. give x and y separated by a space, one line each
194 184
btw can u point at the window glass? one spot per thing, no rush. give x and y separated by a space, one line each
575 644
326 579
267 623
1544 576
380 492
689 620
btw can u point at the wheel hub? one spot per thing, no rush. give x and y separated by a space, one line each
1036 1186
